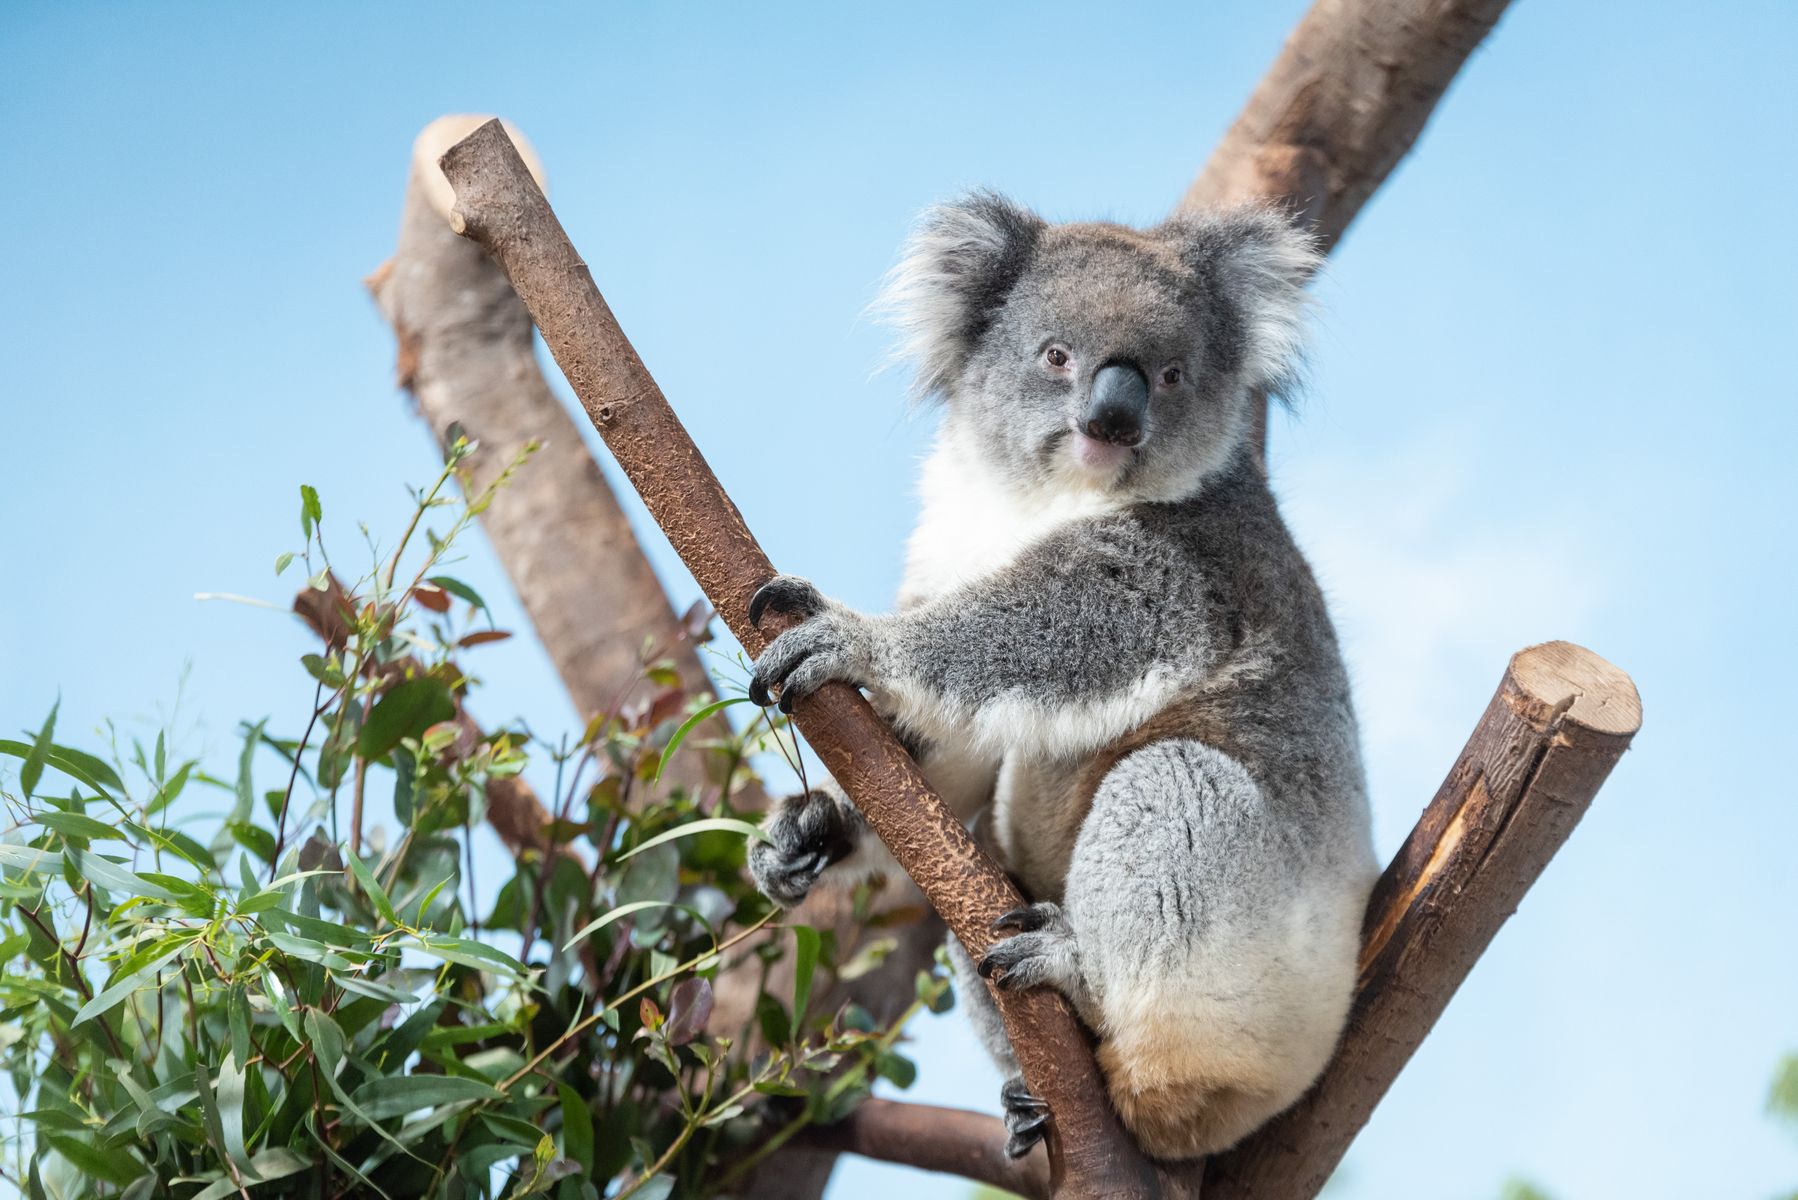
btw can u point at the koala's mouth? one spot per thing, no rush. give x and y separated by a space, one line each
1099 457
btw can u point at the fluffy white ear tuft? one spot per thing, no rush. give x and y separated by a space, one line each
959 264
1255 262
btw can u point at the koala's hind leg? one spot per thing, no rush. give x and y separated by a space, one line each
1218 962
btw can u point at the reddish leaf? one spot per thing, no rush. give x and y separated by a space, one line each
688 1010
697 621
650 1014
435 599
483 637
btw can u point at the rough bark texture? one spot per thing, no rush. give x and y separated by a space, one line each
1561 719
950 1140
499 205
465 354
1350 92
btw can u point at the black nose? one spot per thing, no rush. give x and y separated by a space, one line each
1114 411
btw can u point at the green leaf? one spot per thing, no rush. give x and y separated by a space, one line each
708 825
623 910
577 1127
30 858
237 1010
397 1095
74 824
33 770
372 886
122 987
311 512
805 961
114 878
898 1069
112 1164
230 1097
470 954
281 561
246 788
407 710
457 588
687 726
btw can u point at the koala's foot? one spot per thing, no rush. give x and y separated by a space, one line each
831 643
1040 952
1026 1117
809 832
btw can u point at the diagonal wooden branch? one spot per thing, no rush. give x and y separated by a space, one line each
1560 720
499 205
466 356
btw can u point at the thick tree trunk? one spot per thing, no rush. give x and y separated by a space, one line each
499 205
466 355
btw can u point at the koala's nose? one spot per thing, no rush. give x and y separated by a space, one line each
1114 411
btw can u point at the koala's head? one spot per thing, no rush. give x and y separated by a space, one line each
1095 355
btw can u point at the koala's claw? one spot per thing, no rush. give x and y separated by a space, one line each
1043 953
830 643
1026 1117
807 833
786 593
1020 920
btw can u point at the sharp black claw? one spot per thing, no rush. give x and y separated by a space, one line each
787 697
758 603
1019 1144
758 691
1024 920
988 967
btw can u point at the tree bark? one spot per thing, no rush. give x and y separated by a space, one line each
466 356
1559 722
499 205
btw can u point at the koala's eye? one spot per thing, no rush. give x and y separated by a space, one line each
1056 356
1170 377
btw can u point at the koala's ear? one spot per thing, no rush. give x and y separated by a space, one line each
957 268
1250 267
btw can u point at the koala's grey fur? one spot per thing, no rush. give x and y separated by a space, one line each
1115 660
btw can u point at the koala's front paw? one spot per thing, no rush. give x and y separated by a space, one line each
831 643
1040 952
809 832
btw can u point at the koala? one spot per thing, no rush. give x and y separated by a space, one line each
1111 659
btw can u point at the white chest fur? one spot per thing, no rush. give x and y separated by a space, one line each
973 523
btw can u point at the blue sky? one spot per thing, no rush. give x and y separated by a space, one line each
1551 398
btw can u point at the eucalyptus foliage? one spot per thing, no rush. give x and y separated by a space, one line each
280 1000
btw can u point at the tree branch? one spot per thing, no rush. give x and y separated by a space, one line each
465 355
951 1140
499 205
1560 720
